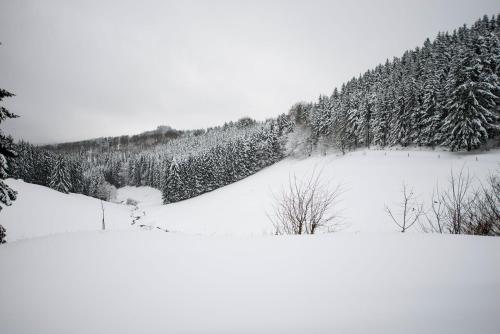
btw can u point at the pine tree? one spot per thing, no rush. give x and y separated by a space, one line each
7 194
472 100
3 235
59 179
434 76
343 139
384 104
76 176
174 187
352 111
364 130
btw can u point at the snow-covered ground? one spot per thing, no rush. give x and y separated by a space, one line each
370 179
146 196
40 211
232 277
144 282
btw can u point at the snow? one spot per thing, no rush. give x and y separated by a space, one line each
146 196
40 211
219 270
144 282
371 179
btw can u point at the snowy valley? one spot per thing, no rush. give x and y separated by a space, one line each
372 209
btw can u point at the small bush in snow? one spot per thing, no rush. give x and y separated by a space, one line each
305 207
131 201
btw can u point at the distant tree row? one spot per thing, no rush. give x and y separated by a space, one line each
62 172
181 168
445 93
137 142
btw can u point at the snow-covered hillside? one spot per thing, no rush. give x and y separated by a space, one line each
40 211
144 282
370 179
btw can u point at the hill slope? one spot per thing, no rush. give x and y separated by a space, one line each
370 180
41 211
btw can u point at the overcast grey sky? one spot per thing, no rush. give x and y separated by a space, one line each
83 69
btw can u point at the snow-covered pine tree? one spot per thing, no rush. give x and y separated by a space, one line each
343 140
315 115
434 78
43 162
406 102
284 124
325 116
274 143
366 102
76 176
418 116
60 179
352 109
15 168
174 187
384 105
471 99
3 235
195 180
208 177
7 194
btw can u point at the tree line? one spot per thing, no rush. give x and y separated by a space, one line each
445 93
182 168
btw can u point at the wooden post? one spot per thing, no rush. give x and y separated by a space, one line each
103 223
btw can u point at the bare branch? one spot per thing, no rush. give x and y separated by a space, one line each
410 210
305 206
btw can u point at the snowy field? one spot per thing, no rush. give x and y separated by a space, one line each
41 211
220 272
370 180
143 282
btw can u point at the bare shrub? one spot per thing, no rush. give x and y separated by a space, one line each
305 206
434 217
463 209
483 215
410 210
456 201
